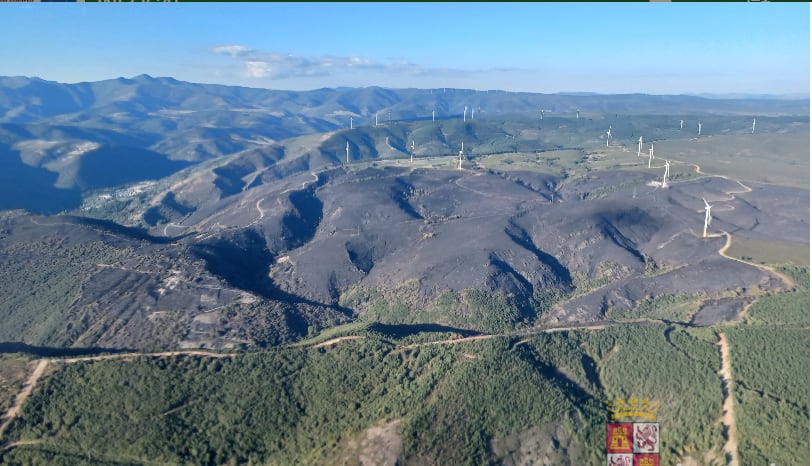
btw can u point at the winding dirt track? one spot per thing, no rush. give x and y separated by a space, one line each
788 282
731 447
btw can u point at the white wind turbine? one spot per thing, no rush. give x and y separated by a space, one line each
432 115
700 129
348 151
350 122
411 155
577 114
680 124
650 154
462 149
608 135
707 218
465 112
639 146
754 127
665 175
376 118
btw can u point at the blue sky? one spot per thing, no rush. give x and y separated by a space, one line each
658 48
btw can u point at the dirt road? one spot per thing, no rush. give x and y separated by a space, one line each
27 388
333 341
731 446
29 385
532 331
789 283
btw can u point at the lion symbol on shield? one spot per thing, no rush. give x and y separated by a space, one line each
620 461
646 437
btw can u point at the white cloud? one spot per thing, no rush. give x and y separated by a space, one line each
278 65
257 69
274 65
234 50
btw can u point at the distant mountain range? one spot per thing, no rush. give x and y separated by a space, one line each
57 141
116 101
754 96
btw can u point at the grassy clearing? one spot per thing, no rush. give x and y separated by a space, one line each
775 158
769 252
446 162
556 162
778 157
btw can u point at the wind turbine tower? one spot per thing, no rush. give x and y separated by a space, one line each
464 113
577 114
608 135
411 155
348 151
707 218
432 115
700 129
650 154
350 122
754 127
665 175
639 146
376 118
680 124
462 149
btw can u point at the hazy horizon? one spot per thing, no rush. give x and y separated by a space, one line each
649 48
720 96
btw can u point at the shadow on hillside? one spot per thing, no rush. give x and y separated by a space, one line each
132 232
404 330
51 352
32 188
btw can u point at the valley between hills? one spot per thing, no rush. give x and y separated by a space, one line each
232 276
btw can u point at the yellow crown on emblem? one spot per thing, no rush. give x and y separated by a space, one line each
633 408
